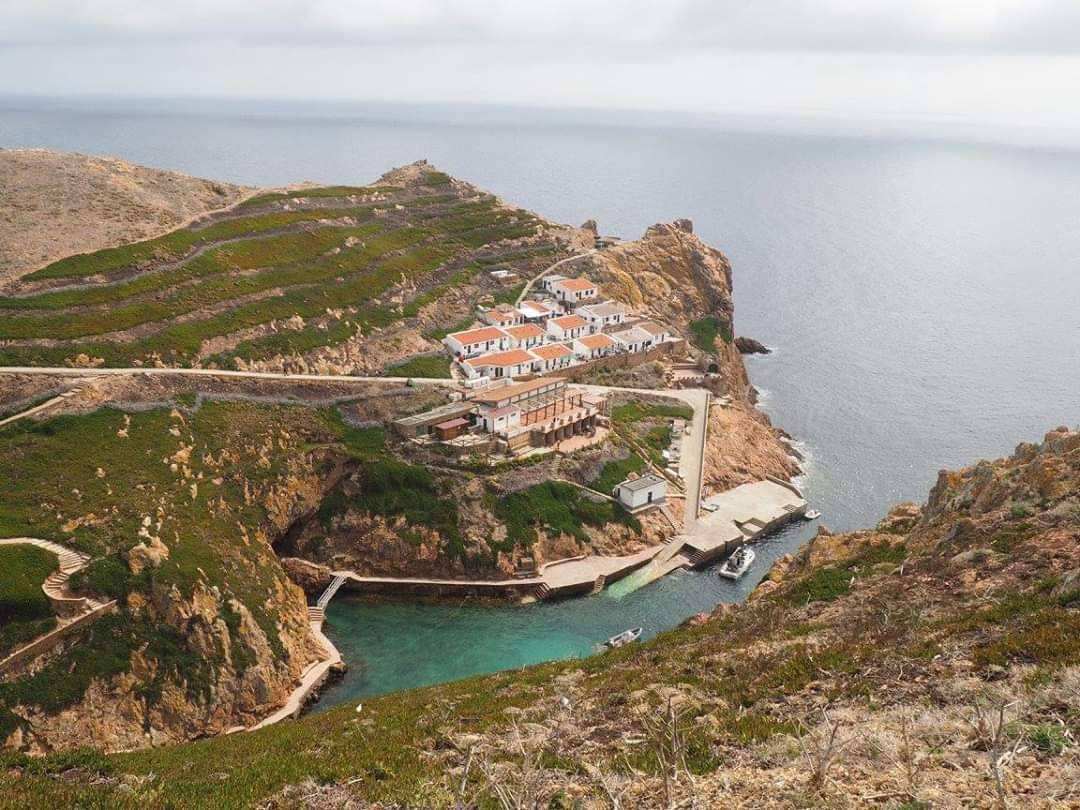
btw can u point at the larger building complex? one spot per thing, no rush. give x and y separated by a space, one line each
510 417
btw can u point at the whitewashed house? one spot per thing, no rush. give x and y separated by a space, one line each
633 339
567 327
537 311
527 335
548 282
602 315
590 347
500 420
573 291
638 494
502 316
552 357
473 342
659 332
511 363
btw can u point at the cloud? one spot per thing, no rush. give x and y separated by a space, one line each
844 25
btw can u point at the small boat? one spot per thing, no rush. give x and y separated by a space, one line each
738 563
813 514
625 637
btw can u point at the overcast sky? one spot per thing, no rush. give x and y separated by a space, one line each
1012 63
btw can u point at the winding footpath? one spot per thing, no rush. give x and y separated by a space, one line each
72 610
532 281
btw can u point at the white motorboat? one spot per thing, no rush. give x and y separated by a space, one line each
738 563
813 514
625 637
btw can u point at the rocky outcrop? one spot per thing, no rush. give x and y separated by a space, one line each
747 345
672 274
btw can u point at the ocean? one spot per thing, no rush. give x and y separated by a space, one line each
922 298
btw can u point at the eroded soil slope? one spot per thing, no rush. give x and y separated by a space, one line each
59 203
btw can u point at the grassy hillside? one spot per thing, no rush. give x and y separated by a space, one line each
914 664
25 611
284 274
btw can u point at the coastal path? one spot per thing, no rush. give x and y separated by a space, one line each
532 281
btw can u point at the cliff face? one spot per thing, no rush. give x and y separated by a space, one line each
672 274
209 632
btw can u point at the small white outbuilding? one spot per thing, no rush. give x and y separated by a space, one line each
640 493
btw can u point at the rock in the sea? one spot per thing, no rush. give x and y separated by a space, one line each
750 346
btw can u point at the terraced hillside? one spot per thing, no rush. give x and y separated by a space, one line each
338 278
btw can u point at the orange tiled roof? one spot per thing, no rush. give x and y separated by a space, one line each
513 357
481 335
527 330
553 351
596 341
577 284
570 322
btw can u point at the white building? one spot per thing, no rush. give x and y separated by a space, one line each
537 311
659 332
634 339
552 357
590 347
567 327
574 291
602 315
641 493
527 335
548 282
512 363
473 342
502 316
500 420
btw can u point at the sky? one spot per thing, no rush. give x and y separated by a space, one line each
965 63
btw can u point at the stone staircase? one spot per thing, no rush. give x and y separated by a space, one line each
73 611
541 591
55 586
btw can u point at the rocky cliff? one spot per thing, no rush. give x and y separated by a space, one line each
672 275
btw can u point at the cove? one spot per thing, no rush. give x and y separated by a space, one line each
395 644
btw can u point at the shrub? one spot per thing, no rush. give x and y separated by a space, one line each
1049 739
109 576
555 507
705 331
615 472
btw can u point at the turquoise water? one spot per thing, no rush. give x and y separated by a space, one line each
391 645
922 298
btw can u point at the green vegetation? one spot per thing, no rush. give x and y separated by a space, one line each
830 582
25 567
638 410
1050 739
243 271
555 507
202 475
25 612
615 472
428 365
705 331
107 576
